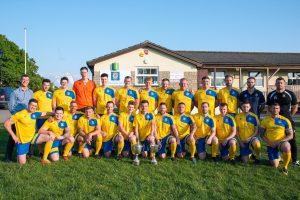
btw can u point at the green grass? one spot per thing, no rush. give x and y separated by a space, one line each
111 179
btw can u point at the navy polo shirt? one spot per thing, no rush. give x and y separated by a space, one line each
256 100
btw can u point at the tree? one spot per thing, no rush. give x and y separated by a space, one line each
12 64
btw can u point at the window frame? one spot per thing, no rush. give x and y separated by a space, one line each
146 75
217 77
257 78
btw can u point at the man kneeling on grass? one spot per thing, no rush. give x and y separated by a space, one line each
277 132
59 132
25 135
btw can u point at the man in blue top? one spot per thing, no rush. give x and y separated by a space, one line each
18 101
254 96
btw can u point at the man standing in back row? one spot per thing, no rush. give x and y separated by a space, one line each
288 108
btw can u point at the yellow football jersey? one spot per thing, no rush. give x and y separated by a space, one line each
224 126
183 124
25 124
275 128
63 98
103 96
143 123
127 121
204 125
109 125
209 96
246 124
164 125
44 100
165 96
230 97
88 125
124 96
56 127
73 121
186 97
151 96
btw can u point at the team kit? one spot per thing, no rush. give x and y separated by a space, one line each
154 122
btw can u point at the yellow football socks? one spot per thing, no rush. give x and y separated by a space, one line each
47 149
173 149
68 148
286 159
193 148
120 147
214 150
232 151
256 147
98 144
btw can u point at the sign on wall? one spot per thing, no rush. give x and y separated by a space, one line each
116 77
176 76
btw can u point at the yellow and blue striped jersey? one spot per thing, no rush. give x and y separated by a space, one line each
151 96
127 121
165 96
88 125
204 125
143 123
224 125
109 125
183 124
124 96
184 96
275 128
230 97
103 96
44 100
25 124
73 121
164 125
209 96
63 98
246 124
56 127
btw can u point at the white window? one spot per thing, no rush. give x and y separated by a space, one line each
143 72
220 79
294 78
258 77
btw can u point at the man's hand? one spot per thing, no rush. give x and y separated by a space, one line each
16 139
59 137
208 141
224 142
104 134
89 139
51 135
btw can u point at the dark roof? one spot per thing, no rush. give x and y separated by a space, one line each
145 44
207 57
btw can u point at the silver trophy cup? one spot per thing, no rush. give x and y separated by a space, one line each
137 149
154 149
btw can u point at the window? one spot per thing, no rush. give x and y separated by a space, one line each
220 76
143 72
294 78
259 78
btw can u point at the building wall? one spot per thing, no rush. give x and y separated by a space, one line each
166 64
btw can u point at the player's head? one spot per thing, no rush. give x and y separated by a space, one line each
46 84
183 84
64 82
131 106
104 79
228 80
181 108
251 82
127 81
24 80
223 108
246 106
59 113
205 82
32 105
110 107
73 106
144 106
84 72
148 82
280 83
165 83
275 109
162 108
89 111
205 107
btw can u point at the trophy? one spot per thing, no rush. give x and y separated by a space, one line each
154 149
137 149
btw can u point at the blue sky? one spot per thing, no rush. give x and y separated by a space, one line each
63 35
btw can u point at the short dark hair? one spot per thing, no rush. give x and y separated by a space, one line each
32 101
46 81
104 75
204 103
110 102
205 77
163 104
24 75
181 103
165 79
251 77
276 104
280 79
229 75
84 68
131 103
145 101
246 102
64 78
127 77
59 108
223 104
73 101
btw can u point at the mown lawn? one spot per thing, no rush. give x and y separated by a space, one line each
111 179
